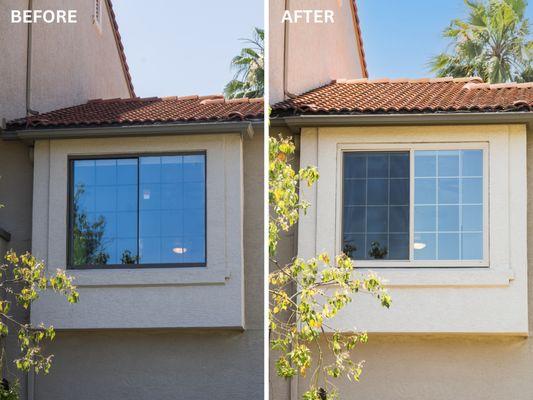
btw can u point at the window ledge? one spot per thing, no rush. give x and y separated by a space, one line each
444 277
149 277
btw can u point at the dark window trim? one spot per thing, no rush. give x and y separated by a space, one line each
70 216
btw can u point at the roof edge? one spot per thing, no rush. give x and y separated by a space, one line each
245 128
455 118
120 47
359 38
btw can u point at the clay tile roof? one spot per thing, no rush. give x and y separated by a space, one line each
364 96
146 111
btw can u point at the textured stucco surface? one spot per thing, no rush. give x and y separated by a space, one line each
169 364
71 63
466 299
439 367
132 298
154 365
312 44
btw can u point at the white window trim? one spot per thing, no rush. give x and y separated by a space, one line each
411 148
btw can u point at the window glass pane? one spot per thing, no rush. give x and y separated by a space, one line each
146 210
425 190
376 205
425 246
354 219
377 191
448 163
425 218
448 246
472 162
425 163
472 190
398 246
472 246
399 165
172 209
354 166
399 191
449 224
104 212
448 191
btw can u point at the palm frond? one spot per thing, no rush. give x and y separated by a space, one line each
493 42
248 65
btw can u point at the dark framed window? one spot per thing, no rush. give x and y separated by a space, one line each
137 211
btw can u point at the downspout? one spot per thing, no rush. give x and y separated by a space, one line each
293 381
30 377
29 111
286 93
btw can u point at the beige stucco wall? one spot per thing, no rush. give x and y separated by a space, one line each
209 297
438 367
316 54
74 63
170 364
71 63
467 298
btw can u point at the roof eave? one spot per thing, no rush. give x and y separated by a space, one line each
245 128
120 48
359 38
295 123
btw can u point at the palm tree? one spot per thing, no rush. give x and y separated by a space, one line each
249 66
493 43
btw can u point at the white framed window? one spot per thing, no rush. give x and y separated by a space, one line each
414 205
469 296
97 16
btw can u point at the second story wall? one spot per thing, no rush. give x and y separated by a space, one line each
70 63
316 53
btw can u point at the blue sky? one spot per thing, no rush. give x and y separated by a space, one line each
401 36
184 47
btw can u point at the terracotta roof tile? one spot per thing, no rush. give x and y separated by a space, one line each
410 96
146 110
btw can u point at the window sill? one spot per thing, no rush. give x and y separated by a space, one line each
443 277
149 277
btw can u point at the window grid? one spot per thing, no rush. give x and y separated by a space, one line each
473 226
137 196
367 179
438 205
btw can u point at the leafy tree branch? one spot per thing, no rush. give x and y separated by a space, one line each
305 295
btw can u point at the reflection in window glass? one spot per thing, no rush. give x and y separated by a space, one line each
104 212
172 209
448 211
146 210
376 205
